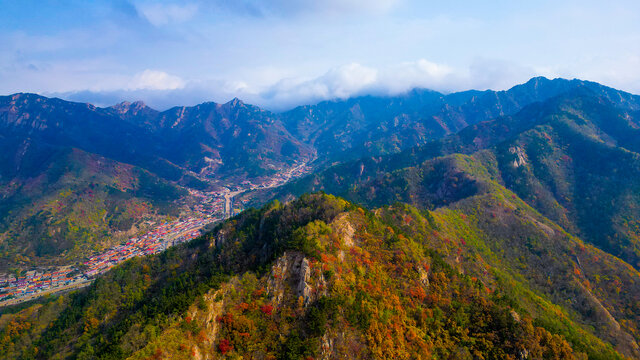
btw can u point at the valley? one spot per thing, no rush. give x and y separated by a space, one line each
209 208
319 180
498 225
39 282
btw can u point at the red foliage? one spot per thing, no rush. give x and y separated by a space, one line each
418 293
157 354
225 319
243 306
258 292
225 346
266 309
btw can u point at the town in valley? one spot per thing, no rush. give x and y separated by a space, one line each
209 207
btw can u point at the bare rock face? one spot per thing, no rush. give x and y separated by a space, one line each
424 277
291 276
515 316
520 156
206 317
344 229
276 285
326 347
304 289
219 239
337 344
524 354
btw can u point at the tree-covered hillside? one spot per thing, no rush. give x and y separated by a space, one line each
574 158
515 237
78 204
486 277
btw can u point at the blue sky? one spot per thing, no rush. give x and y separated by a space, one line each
283 53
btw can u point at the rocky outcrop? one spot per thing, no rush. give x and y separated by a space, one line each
519 158
219 239
304 274
276 284
344 229
336 344
424 277
291 276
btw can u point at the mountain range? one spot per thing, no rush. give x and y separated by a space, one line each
496 225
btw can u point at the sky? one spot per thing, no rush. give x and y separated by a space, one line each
282 53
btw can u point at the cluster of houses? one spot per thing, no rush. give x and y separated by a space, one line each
209 204
277 179
162 237
210 208
35 281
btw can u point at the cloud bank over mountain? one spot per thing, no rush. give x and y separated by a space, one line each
162 90
283 53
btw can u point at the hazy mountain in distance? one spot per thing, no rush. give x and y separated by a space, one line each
374 125
508 232
73 175
575 158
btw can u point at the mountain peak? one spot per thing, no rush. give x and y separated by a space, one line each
235 102
24 97
134 107
536 81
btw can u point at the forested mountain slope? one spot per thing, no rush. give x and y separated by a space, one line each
218 139
191 146
79 203
573 158
75 178
375 125
484 277
513 238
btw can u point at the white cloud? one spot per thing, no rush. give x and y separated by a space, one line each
287 7
163 14
498 74
155 80
346 80
421 73
355 79
366 5
340 82
161 90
